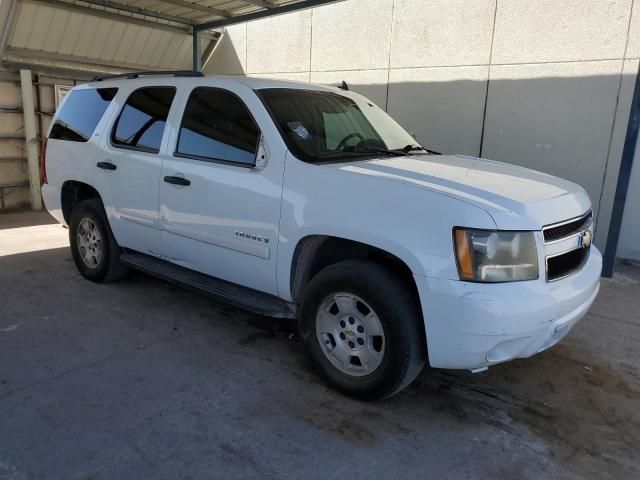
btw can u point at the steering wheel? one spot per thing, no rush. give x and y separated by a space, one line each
343 143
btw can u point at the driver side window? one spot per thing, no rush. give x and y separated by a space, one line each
218 127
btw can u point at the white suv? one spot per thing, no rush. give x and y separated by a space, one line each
295 200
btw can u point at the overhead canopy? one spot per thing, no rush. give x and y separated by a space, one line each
201 14
114 36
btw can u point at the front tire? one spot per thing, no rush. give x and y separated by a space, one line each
93 247
362 329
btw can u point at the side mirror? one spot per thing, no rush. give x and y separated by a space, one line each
262 155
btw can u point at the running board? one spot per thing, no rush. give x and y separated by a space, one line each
236 295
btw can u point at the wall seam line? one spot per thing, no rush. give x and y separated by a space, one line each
486 92
310 44
386 100
246 48
613 127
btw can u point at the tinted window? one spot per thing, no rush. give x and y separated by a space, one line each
321 126
216 125
80 113
142 120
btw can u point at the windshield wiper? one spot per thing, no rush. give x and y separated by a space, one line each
416 148
395 153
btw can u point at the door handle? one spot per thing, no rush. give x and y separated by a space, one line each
177 181
106 165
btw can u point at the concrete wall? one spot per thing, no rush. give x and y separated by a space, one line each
541 83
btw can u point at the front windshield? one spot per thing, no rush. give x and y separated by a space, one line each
321 126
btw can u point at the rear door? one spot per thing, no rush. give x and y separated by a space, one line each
73 142
220 212
130 162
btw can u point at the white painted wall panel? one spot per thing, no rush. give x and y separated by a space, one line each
441 32
352 35
443 106
633 47
370 83
615 152
231 53
560 30
556 118
280 44
291 76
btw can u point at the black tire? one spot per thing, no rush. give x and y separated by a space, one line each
397 309
109 268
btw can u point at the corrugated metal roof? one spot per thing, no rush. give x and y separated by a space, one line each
49 29
117 35
195 12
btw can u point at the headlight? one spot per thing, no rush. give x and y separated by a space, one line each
490 256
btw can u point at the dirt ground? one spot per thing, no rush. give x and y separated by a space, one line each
141 379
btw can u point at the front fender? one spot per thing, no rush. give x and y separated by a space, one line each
409 222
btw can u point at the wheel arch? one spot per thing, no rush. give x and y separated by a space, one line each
314 252
74 191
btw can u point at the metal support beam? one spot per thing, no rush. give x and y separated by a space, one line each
260 3
198 7
624 175
124 7
292 7
113 13
195 49
31 138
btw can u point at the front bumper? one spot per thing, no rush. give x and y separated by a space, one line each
475 325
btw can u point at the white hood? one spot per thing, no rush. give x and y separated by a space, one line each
516 197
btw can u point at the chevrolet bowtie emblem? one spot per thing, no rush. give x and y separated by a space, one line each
585 239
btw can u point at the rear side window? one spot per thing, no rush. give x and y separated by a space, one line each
141 123
217 126
80 114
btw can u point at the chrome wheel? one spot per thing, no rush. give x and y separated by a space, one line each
90 243
350 334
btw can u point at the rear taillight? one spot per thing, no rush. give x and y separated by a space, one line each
43 162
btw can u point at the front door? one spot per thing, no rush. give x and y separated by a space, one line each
219 212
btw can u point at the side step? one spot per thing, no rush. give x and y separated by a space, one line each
236 295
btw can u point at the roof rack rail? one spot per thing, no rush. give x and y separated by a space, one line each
132 75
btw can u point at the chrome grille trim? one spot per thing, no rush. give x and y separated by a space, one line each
557 232
576 267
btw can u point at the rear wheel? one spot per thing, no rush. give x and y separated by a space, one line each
362 329
93 247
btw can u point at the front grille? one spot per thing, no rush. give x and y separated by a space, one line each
567 263
556 232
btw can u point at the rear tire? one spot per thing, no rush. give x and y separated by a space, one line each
93 247
361 309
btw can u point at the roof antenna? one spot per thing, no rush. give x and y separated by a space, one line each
344 86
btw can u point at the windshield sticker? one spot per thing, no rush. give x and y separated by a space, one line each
299 129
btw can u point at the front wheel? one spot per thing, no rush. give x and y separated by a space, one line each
362 329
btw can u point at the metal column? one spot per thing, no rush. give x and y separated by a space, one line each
624 174
31 138
197 54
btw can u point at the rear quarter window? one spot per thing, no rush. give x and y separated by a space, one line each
141 123
80 114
